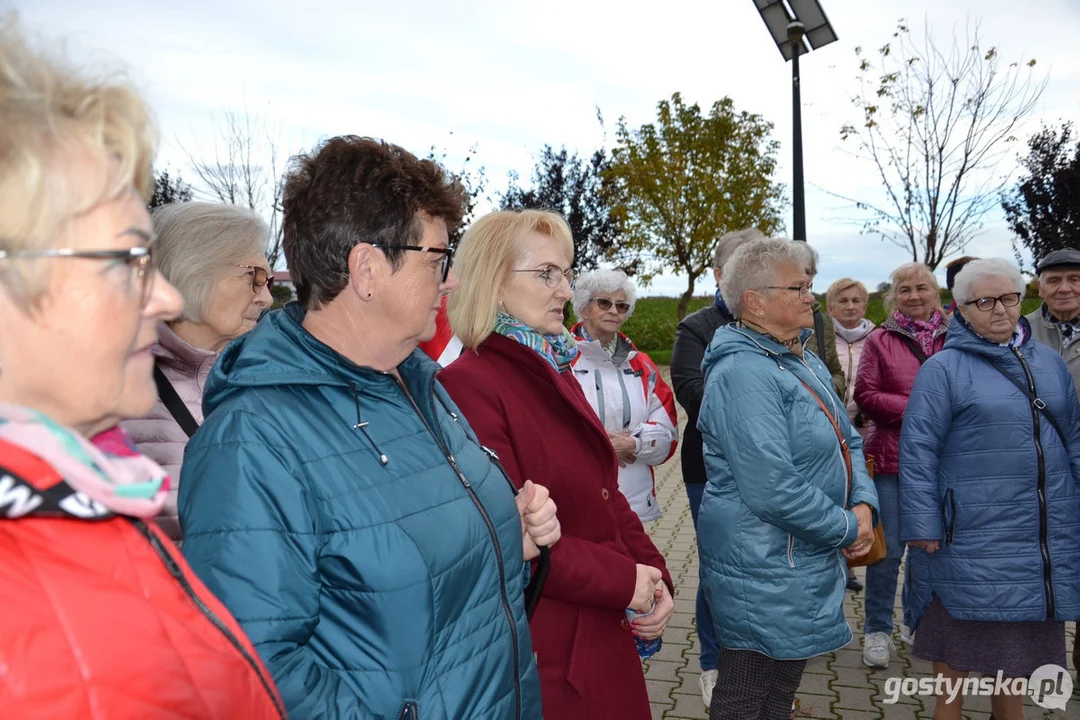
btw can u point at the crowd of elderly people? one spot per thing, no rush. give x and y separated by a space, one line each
301 514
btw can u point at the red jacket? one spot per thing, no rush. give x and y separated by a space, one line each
543 429
887 370
103 619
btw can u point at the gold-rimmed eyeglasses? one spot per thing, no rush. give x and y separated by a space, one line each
552 275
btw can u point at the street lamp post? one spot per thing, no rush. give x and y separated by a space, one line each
794 25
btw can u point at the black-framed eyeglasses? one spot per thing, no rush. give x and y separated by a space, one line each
139 258
260 277
802 290
605 304
987 304
552 275
446 252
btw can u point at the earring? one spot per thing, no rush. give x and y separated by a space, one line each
369 296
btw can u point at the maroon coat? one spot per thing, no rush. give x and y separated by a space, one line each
887 370
543 429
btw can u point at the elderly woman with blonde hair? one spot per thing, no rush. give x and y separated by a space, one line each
913 332
102 617
623 386
846 301
515 385
215 256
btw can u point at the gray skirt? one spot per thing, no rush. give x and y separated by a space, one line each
1014 648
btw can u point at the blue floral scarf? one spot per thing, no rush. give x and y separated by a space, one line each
559 350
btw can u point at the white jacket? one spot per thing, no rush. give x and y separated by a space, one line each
632 397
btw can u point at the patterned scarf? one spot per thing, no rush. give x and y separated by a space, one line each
559 350
107 475
1070 331
794 344
922 330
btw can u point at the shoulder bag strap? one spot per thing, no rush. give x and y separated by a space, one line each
914 347
1035 401
845 451
819 335
173 403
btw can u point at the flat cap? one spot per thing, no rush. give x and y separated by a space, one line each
1063 258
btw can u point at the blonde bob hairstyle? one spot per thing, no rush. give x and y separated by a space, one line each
844 284
911 271
69 141
483 260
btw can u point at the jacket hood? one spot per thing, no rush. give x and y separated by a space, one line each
857 334
732 339
962 337
280 352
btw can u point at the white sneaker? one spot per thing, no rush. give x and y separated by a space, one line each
707 682
906 636
877 650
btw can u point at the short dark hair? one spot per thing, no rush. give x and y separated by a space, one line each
354 189
954 267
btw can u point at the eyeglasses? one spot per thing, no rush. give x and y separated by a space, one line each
552 275
604 304
140 258
260 277
986 304
446 252
803 290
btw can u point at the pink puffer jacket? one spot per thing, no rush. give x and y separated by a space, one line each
887 370
157 435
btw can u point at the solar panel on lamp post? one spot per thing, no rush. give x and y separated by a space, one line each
797 27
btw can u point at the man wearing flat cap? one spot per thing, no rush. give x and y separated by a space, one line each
1057 322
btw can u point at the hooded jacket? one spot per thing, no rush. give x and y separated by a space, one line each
773 520
849 352
361 535
986 474
630 397
158 435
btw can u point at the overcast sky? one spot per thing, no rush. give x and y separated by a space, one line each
507 77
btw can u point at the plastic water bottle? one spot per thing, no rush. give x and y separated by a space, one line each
645 648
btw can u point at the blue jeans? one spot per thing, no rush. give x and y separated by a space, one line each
881 578
706 633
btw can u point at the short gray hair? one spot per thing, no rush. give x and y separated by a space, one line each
754 265
809 255
197 241
731 242
588 285
964 284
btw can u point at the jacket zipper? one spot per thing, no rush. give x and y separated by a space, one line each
1048 585
491 532
174 569
791 550
409 711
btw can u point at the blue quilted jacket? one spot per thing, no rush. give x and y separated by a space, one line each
772 519
362 538
988 476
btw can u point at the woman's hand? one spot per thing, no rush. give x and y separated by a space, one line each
865 539
930 546
625 447
645 588
652 627
539 523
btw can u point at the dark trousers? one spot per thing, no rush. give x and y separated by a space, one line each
752 686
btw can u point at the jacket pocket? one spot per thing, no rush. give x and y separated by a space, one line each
409 711
791 550
576 668
948 514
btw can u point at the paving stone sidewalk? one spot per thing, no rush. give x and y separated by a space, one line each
837 685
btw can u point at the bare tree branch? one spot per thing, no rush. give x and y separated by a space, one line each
935 124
